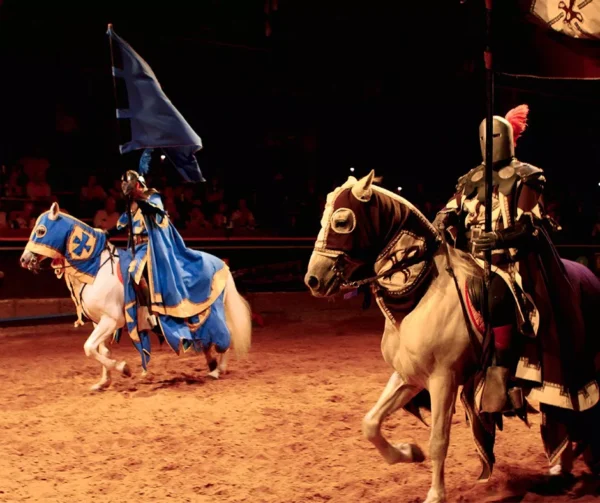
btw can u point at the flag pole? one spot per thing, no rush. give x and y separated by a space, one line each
130 241
489 145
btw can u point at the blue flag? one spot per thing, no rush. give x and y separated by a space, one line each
155 122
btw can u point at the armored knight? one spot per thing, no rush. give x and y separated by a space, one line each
518 224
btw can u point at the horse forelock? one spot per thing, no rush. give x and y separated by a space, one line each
406 204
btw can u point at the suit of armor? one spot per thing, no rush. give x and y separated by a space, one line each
517 214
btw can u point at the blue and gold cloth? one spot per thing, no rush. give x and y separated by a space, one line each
61 236
186 286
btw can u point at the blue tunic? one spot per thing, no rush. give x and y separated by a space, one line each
186 286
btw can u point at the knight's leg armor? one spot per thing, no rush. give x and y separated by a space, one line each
502 318
142 292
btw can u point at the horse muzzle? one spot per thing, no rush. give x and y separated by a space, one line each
30 261
326 274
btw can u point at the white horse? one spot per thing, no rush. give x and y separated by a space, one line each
101 298
368 231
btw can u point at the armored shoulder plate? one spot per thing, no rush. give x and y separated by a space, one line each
468 182
526 171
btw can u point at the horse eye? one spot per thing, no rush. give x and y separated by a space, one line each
40 232
343 221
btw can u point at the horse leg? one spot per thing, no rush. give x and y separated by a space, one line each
105 380
213 364
396 394
565 464
223 361
443 389
100 335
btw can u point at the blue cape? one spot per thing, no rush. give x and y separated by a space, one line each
183 282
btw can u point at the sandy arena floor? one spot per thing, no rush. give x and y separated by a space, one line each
283 426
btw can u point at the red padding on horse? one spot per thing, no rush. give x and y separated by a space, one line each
502 336
475 316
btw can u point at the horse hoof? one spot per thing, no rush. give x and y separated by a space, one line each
433 497
214 374
418 456
124 369
100 386
406 453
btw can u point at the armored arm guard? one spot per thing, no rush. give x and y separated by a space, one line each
151 203
149 208
520 236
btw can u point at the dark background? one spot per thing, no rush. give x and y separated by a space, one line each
394 86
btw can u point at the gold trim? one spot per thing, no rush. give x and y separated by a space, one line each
165 221
140 269
185 309
43 250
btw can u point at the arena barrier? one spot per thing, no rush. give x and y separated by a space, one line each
259 264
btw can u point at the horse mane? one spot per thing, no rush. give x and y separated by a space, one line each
405 202
462 262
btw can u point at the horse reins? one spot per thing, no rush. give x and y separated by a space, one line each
111 256
338 270
475 344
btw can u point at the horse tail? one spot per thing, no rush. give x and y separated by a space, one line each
239 318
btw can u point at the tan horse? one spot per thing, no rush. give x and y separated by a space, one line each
368 231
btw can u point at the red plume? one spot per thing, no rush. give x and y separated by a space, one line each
518 120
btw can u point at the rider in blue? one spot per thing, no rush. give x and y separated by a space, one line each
144 202
174 282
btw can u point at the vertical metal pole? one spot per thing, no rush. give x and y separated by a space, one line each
131 242
489 146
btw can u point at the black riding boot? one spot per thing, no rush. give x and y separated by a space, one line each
142 292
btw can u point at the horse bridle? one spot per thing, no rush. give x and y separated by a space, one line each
343 260
35 265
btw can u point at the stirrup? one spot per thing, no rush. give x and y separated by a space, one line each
517 400
152 321
495 398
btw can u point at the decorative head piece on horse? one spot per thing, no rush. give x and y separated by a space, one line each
356 247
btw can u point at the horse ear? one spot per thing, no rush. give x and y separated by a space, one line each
362 189
54 211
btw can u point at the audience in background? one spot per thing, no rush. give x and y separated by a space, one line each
37 188
242 216
93 191
26 218
197 222
107 217
14 185
281 206
220 219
